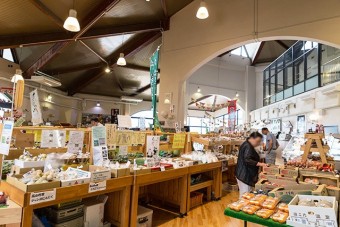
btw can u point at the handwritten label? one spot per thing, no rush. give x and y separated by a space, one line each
162 168
98 186
41 197
179 141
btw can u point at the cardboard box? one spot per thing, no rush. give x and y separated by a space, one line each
334 191
261 184
144 217
271 170
94 211
84 177
280 191
99 173
307 171
289 172
140 171
323 179
10 214
115 173
14 180
320 191
294 179
18 170
28 164
313 216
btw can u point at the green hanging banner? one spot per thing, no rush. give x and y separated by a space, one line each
153 83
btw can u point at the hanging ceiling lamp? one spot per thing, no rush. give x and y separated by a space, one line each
17 76
121 60
107 69
202 12
71 23
197 95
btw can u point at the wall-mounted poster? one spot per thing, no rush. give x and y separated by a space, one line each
301 124
114 116
275 126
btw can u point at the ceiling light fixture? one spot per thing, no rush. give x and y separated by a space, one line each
71 23
237 95
17 76
98 104
107 69
202 12
49 98
121 60
199 90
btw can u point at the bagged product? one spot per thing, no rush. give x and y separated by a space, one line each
283 207
270 202
248 195
280 217
238 204
250 209
258 200
264 213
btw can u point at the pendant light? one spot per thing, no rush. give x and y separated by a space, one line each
71 23
121 60
107 69
202 12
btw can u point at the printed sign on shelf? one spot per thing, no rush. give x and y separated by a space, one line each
76 141
98 186
124 121
53 138
98 136
41 197
152 145
179 141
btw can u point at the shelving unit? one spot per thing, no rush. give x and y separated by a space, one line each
322 149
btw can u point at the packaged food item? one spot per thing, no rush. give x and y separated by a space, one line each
312 181
250 209
238 204
325 204
264 213
283 207
258 200
248 195
306 202
280 217
270 202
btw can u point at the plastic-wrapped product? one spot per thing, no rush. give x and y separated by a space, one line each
250 209
264 213
280 217
258 200
248 195
283 207
238 204
270 203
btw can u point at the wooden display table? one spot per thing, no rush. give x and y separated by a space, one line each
215 184
65 194
252 218
158 177
322 149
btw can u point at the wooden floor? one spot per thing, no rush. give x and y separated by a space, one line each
209 214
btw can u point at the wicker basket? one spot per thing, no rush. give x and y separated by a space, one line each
196 199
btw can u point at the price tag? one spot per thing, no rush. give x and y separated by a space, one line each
98 186
162 168
41 197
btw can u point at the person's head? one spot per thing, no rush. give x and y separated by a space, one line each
94 121
255 139
265 131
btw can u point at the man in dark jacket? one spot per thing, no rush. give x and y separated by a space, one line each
248 163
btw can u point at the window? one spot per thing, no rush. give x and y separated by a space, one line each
7 54
198 124
138 118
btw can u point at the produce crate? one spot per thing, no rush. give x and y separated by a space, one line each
271 170
196 199
14 180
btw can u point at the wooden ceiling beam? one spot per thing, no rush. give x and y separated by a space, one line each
164 8
90 20
257 55
282 44
142 89
45 10
127 50
15 56
48 38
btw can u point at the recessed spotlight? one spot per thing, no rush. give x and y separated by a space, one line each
98 104
107 69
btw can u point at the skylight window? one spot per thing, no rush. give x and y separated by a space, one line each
247 51
7 54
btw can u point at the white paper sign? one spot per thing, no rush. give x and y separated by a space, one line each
41 197
152 145
100 154
53 138
124 121
98 186
98 136
76 141
6 137
35 108
123 150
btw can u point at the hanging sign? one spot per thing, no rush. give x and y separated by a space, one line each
41 197
232 108
6 137
124 121
111 135
76 142
98 136
35 108
114 116
179 141
53 138
153 82
98 186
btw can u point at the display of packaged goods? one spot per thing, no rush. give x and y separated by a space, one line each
320 179
270 202
264 213
271 170
73 176
280 216
333 191
28 164
248 195
238 205
267 176
258 199
283 207
16 180
18 170
289 172
250 209
268 185
99 173
313 210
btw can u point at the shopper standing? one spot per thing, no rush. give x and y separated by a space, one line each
271 146
248 163
95 122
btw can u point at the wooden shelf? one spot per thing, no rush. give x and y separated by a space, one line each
326 148
207 142
201 185
204 167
